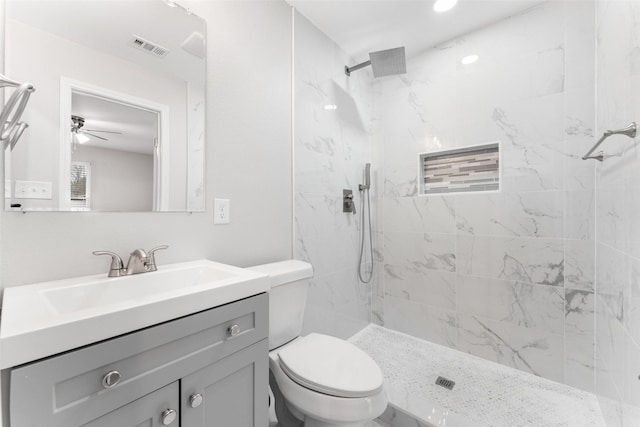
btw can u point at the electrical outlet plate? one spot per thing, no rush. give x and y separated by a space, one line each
221 211
33 190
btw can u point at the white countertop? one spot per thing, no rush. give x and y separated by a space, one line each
44 319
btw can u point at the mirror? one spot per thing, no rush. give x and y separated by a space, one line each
118 116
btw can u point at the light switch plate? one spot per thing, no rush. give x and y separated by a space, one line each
33 190
221 211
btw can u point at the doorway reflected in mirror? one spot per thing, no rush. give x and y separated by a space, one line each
116 145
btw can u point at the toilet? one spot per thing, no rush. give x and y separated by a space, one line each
317 380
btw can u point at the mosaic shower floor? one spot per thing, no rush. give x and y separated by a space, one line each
485 393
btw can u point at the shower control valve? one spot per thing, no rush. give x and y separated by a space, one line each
347 202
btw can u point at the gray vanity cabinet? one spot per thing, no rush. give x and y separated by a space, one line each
222 393
131 380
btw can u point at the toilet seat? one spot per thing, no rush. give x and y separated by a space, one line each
319 406
331 366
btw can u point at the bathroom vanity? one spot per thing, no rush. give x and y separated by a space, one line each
208 363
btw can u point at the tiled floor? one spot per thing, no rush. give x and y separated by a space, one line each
485 393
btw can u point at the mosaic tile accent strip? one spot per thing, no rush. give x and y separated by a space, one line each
486 393
461 170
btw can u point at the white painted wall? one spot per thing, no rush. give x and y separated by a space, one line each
248 157
120 181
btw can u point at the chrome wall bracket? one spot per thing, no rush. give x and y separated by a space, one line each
630 131
11 128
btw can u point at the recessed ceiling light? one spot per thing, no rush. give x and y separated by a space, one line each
469 59
330 107
444 5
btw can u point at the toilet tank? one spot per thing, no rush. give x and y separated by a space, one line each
287 298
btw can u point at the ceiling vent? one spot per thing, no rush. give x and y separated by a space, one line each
194 44
147 46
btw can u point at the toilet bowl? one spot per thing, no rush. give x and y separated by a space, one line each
317 380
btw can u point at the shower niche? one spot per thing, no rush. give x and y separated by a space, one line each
461 170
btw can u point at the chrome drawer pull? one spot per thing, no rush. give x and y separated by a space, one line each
233 330
168 416
111 379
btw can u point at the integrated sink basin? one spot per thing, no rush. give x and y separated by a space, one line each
107 291
47 318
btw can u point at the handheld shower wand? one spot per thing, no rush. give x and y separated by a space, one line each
367 178
365 188
367 175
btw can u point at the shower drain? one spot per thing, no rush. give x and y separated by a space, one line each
446 383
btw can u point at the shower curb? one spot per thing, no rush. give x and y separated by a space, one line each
396 417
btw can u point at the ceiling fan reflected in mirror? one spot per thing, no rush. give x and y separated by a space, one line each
81 135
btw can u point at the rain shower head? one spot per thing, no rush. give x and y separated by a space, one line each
383 63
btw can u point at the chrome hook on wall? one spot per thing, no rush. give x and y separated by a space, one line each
629 131
12 128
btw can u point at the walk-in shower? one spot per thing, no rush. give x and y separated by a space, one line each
535 276
383 63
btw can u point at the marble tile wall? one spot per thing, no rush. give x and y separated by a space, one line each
331 148
618 215
507 276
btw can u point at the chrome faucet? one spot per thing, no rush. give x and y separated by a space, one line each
137 262
140 261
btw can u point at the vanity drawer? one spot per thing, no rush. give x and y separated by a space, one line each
67 390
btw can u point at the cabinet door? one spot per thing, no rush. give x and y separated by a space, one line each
152 410
234 391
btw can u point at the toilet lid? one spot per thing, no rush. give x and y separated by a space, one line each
331 366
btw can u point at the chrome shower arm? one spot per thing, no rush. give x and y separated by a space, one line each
348 70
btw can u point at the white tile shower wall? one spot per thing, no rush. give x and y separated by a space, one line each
507 276
330 150
618 215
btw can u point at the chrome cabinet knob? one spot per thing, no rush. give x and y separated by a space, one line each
168 416
233 330
195 400
111 379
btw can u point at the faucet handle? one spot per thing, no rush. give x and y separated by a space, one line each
151 259
117 266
